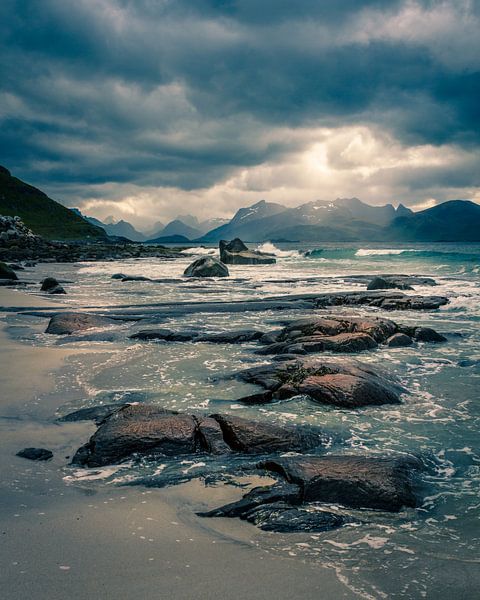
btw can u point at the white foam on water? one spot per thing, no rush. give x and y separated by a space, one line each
272 249
201 251
382 251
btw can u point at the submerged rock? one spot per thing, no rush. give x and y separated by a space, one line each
381 283
207 266
225 337
236 252
345 385
98 414
355 481
51 286
35 454
147 429
71 322
427 334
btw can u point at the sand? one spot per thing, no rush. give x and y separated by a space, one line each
68 541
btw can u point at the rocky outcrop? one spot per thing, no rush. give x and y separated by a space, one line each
207 266
354 481
345 385
358 482
7 272
71 322
399 340
341 334
141 429
382 283
35 454
226 337
379 299
51 286
236 252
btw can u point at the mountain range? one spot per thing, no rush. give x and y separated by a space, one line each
343 220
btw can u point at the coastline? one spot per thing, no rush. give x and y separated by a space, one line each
62 540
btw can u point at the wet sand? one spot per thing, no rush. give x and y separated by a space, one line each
61 541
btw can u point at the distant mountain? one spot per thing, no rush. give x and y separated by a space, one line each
169 239
452 221
247 223
350 220
154 229
40 213
114 228
178 227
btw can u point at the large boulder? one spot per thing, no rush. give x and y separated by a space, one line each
141 429
427 334
236 252
207 266
345 385
355 481
7 272
51 286
399 340
71 322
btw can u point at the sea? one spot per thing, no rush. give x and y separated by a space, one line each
428 552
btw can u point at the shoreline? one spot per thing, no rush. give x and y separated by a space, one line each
80 542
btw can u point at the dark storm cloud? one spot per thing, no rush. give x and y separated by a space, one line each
179 93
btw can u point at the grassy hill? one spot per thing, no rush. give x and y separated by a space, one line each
43 215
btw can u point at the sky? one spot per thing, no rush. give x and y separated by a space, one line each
144 109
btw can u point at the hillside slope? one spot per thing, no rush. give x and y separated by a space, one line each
40 213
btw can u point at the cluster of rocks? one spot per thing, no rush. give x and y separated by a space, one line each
401 282
343 334
13 230
379 299
136 431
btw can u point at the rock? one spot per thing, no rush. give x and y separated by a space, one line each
7 272
136 278
399 340
98 414
231 337
254 437
283 518
345 385
16 267
71 322
146 429
118 276
385 300
207 266
426 334
379 283
237 253
226 337
357 482
35 454
140 429
51 286
278 492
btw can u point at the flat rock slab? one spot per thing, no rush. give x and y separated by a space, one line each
35 454
345 385
357 482
141 429
71 322
225 337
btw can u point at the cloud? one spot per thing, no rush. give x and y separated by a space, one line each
185 100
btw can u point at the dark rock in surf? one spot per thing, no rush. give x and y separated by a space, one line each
359 482
71 322
380 283
427 334
345 385
35 454
136 278
118 276
207 266
399 340
51 286
140 429
236 252
7 272
225 337
98 414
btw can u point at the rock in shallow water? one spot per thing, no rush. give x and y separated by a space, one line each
146 429
51 286
70 322
207 266
236 252
345 385
399 340
35 454
7 272
357 482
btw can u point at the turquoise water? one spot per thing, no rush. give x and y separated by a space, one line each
429 552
